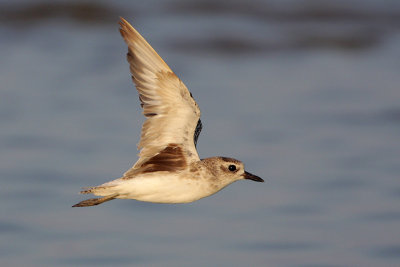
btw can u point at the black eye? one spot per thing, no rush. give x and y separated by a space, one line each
232 168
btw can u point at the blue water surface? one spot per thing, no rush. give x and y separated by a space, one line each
306 93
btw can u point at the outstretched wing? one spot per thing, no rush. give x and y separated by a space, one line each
172 115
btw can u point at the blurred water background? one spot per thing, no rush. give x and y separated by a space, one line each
306 93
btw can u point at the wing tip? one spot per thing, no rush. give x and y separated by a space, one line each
122 20
125 28
123 23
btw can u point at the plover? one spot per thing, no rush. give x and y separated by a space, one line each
169 169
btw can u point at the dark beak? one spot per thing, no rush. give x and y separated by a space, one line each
253 177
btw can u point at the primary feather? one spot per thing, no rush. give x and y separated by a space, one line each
172 115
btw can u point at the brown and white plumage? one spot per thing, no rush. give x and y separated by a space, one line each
171 113
169 169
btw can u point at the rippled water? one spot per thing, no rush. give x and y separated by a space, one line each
305 92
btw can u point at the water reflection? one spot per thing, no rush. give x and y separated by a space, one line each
279 246
35 12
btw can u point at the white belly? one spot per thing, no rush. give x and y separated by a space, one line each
161 189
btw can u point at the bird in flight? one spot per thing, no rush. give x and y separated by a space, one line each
169 169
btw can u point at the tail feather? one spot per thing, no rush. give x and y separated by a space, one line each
95 201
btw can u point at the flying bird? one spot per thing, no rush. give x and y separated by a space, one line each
169 169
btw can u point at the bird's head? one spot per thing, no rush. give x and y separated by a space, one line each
229 170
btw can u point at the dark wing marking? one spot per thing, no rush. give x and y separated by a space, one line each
199 126
197 132
169 159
